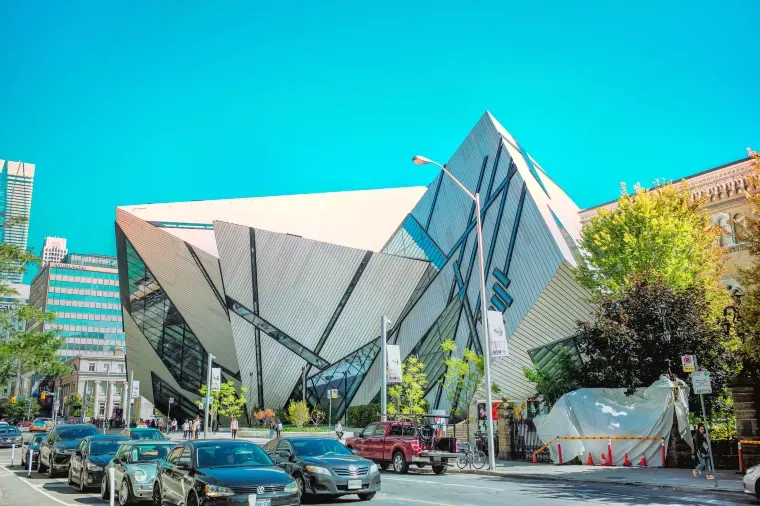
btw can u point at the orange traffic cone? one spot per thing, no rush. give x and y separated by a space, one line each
534 459
604 460
590 461
626 462
643 462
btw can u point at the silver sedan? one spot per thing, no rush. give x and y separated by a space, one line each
134 470
750 481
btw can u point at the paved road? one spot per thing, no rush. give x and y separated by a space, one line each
411 489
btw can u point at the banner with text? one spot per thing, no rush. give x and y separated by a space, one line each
394 363
497 334
216 379
135 389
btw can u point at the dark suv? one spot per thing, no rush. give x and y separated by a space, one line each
61 442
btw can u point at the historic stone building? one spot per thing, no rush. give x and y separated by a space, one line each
725 188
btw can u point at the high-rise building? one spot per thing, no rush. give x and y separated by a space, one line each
16 184
84 294
53 249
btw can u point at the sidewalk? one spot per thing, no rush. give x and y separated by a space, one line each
675 479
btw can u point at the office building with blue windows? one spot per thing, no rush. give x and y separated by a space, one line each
276 286
83 292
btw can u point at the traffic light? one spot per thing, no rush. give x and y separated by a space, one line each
43 395
13 400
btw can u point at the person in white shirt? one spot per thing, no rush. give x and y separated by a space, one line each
234 427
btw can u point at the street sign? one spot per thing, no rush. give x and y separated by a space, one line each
334 393
135 389
216 379
689 363
56 405
700 382
171 400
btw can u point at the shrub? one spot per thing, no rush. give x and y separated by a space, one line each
316 417
298 413
264 417
361 416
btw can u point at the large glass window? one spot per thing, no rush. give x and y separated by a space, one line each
411 241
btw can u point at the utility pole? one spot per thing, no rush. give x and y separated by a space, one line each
303 383
129 398
207 405
384 366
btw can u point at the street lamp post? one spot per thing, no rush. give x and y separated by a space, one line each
421 160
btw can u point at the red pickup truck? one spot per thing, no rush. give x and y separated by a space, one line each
403 444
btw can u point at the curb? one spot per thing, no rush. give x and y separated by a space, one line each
600 482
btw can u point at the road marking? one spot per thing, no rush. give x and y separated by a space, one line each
444 484
419 501
31 485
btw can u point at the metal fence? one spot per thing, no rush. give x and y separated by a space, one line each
525 442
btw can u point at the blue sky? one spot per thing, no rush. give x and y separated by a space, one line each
155 101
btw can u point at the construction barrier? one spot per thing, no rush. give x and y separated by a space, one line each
741 458
607 459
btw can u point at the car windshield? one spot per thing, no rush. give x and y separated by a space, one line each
39 423
38 439
148 453
319 447
104 447
9 431
147 434
228 455
77 433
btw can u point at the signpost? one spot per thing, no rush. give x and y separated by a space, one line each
689 363
700 384
168 415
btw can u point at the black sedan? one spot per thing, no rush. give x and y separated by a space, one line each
90 458
34 446
323 466
59 446
224 473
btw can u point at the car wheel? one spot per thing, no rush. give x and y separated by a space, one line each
82 481
157 500
440 469
104 488
367 497
301 484
399 463
125 494
50 471
191 500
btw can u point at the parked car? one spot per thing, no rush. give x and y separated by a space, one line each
33 445
143 433
59 446
223 473
39 425
135 470
90 458
403 444
750 481
323 466
10 435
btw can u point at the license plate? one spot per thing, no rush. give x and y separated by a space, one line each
354 484
253 501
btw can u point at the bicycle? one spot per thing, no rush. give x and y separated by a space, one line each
475 458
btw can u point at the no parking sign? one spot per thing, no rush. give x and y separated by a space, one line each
689 363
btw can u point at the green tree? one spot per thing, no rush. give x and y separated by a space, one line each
75 404
408 396
227 402
565 377
661 234
20 409
463 378
298 413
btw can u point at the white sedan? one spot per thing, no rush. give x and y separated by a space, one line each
750 481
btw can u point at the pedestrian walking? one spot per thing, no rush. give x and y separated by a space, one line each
160 424
703 453
174 425
234 427
339 430
272 428
279 427
197 427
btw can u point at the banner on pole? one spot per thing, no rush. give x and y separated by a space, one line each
497 334
334 393
394 363
135 389
216 379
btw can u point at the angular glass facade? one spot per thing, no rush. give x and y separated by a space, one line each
92 260
411 241
181 409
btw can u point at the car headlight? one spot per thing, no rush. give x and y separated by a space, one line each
291 487
140 476
93 467
373 469
317 470
214 491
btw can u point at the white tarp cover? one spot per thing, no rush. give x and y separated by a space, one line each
609 412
